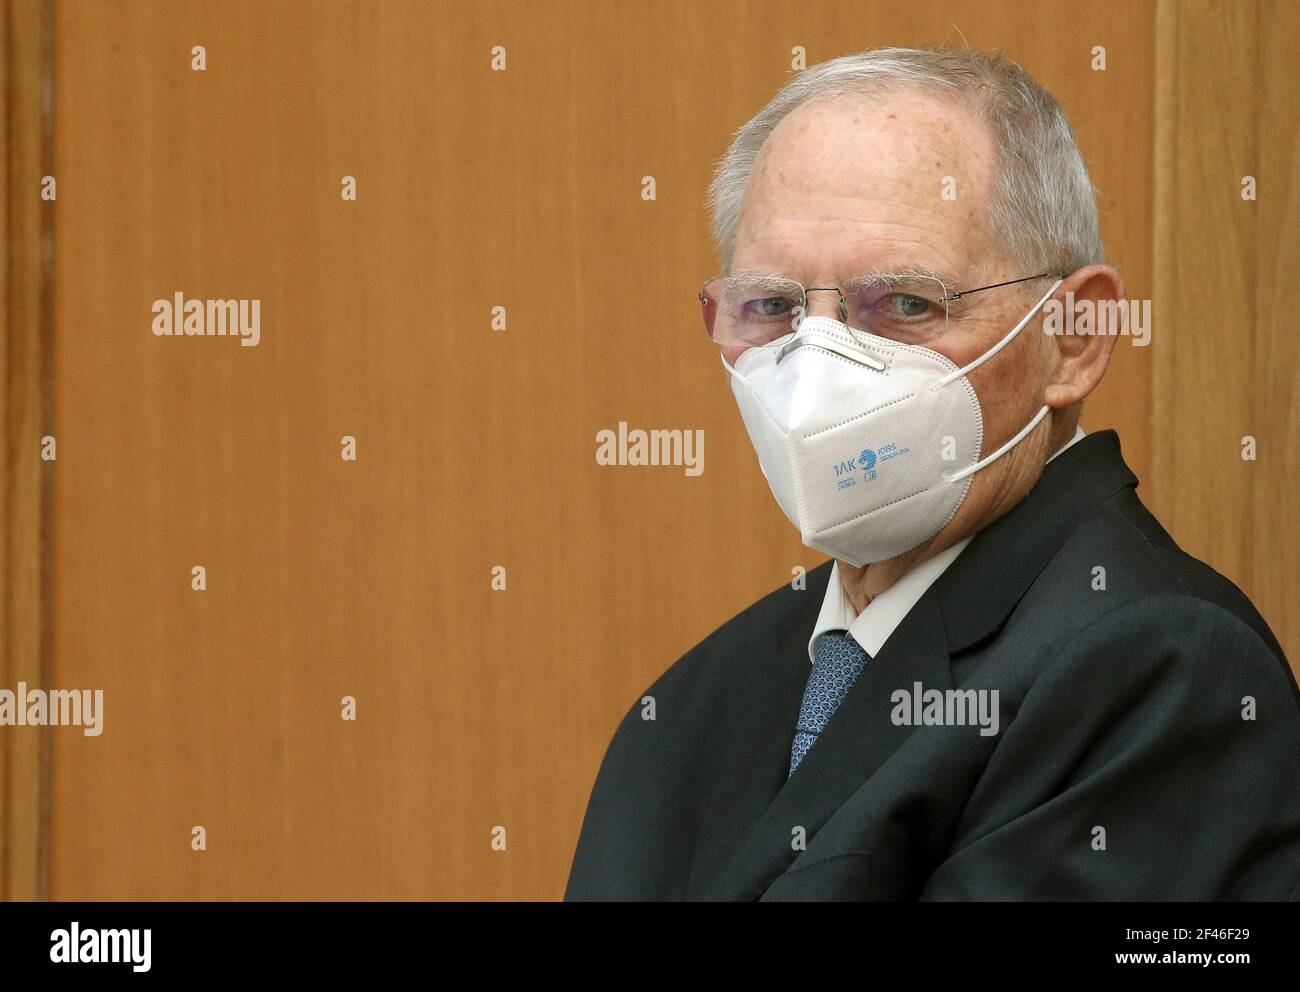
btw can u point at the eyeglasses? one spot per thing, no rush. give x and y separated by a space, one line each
748 310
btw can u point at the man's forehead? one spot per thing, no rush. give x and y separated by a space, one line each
908 171
854 146
908 114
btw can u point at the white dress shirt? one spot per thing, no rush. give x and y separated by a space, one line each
872 627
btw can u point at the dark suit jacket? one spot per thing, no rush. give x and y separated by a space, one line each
1122 709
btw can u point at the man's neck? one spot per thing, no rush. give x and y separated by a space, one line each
864 583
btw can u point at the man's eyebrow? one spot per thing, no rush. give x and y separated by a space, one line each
904 273
892 275
761 279
760 273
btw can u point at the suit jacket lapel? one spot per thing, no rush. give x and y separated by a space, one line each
755 734
844 756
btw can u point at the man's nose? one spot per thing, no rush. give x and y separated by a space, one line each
823 303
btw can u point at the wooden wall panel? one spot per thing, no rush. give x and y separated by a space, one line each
1225 348
26 391
521 189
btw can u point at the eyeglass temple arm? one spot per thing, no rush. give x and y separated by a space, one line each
1010 282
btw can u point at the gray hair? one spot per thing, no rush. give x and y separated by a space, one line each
1041 209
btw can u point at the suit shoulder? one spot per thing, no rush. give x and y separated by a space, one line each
749 638
1185 643
717 686
1122 554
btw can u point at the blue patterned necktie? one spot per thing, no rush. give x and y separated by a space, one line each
839 660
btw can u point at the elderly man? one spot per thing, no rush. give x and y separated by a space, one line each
1015 686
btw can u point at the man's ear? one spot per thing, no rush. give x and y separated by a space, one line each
1082 328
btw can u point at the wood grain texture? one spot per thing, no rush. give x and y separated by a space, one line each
26 391
477 708
1225 350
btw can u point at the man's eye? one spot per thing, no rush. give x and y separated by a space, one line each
904 305
772 306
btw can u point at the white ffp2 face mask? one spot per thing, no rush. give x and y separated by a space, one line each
869 445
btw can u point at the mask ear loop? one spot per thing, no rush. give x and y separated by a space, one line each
971 469
731 371
954 376
1010 336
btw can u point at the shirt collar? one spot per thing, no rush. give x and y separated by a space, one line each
881 617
